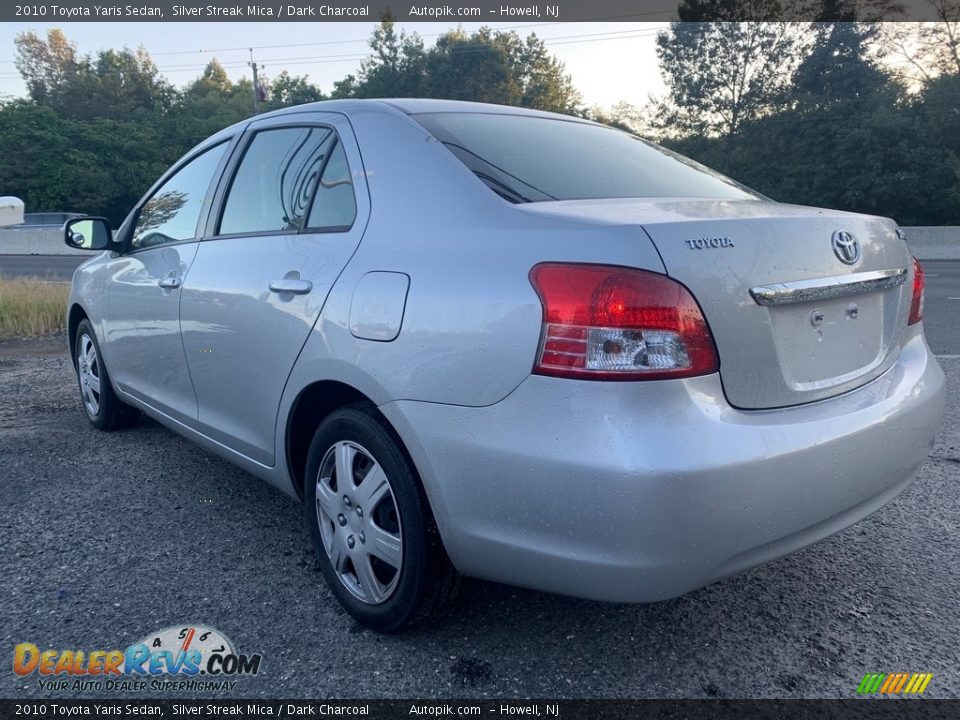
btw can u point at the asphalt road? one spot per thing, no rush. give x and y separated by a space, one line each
108 537
45 267
941 309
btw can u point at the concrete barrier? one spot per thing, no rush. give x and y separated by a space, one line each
927 243
934 243
35 240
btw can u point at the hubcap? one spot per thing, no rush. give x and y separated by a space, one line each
88 366
359 522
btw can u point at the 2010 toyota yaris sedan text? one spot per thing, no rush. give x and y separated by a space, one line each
508 344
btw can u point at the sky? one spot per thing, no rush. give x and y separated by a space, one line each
609 62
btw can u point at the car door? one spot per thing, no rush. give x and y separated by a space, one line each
290 213
141 323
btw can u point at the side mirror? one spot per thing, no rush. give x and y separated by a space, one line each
88 233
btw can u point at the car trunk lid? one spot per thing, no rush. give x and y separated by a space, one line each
793 322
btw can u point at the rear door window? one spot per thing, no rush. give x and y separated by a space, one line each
334 205
275 182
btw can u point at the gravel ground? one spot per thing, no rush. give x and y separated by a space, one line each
110 537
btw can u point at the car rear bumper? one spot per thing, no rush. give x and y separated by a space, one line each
636 492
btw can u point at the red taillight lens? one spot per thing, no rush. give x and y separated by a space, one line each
916 303
611 323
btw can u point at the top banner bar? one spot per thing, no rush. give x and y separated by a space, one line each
485 11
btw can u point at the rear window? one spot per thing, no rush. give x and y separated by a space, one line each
531 159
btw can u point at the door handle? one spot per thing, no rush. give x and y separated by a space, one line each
169 283
295 286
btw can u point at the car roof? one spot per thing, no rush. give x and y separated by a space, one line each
414 106
396 106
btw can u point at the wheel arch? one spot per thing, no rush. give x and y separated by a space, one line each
75 316
312 405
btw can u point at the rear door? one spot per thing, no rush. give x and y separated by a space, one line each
288 217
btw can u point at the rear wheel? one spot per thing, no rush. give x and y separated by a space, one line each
371 527
104 409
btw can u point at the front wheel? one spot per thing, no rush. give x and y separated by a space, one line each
104 409
371 526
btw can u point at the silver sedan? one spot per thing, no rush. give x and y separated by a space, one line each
494 342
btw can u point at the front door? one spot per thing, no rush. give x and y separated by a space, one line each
289 220
142 344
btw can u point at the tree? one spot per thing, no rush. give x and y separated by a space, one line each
209 103
213 81
485 66
927 50
723 74
396 67
546 86
47 66
286 90
840 69
112 83
937 117
849 138
348 87
499 67
473 67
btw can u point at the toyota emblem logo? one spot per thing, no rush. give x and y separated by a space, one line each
846 247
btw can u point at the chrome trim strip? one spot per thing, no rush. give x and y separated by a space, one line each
829 287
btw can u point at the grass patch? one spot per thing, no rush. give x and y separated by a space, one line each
30 307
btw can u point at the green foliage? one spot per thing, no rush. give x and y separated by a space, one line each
59 162
395 69
114 83
97 131
720 75
485 66
850 138
839 70
287 90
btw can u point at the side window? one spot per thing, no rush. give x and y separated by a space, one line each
172 213
272 187
334 205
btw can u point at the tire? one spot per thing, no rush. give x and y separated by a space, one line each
104 409
384 563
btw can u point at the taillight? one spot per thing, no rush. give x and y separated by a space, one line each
916 303
611 323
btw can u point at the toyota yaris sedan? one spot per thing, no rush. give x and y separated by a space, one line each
485 341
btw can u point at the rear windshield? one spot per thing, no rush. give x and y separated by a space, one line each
533 159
